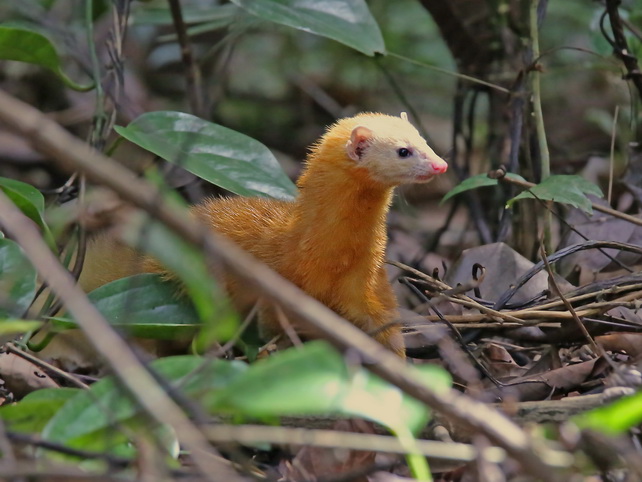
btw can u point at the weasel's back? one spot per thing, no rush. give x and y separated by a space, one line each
254 223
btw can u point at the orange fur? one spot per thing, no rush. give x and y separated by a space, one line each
331 240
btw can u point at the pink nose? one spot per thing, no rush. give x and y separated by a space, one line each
439 166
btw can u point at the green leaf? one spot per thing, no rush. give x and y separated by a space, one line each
145 306
33 412
17 280
15 327
474 182
30 201
313 380
26 45
567 189
346 21
614 418
95 414
214 309
215 153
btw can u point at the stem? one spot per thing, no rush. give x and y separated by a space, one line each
193 73
96 135
545 160
612 157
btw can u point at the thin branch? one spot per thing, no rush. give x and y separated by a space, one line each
193 74
72 154
557 256
620 45
449 72
612 156
551 279
408 105
435 451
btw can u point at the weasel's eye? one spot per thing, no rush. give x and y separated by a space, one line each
403 152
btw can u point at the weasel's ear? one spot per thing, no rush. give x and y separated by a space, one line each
359 140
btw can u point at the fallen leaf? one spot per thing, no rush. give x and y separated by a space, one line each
629 343
21 376
503 266
311 463
500 362
541 386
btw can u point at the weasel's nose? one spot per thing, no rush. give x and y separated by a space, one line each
438 165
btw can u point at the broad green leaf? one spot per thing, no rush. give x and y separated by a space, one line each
614 418
215 153
315 380
30 201
347 21
145 306
34 411
567 189
474 182
17 280
26 45
97 412
214 309
14 326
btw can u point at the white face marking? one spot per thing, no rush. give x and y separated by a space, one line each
393 152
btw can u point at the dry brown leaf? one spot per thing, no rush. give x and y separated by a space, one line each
503 266
500 363
539 387
601 227
629 343
21 376
313 462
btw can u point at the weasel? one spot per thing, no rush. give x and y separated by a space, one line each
331 240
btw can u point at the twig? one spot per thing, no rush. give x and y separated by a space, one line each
408 105
516 106
620 45
460 339
462 172
193 74
72 154
448 72
456 298
50 471
557 256
443 451
567 304
612 156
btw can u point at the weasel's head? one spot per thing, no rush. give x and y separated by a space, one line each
391 150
